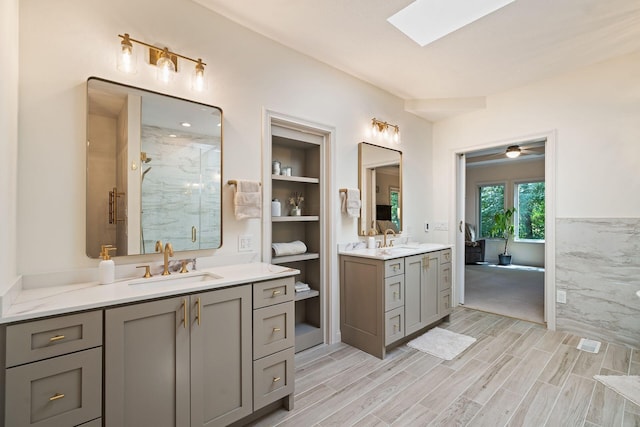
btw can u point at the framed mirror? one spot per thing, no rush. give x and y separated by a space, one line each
380 183
154 168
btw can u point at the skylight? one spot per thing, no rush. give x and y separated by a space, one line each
425 21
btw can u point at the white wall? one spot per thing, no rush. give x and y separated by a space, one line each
9 138
524 253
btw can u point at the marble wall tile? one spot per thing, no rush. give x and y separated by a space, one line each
598 265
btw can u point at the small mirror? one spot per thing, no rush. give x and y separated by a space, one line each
154 166
380 182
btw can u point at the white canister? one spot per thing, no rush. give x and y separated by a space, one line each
276 207
275 167
371 243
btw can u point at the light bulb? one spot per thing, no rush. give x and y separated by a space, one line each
126 59
198 77
396 135
374 128
166 68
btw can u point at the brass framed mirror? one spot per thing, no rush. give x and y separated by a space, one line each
154 168
380 183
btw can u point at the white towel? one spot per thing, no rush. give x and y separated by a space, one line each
302 287
351 202
247 201
291 248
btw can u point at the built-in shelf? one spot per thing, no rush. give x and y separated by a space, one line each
295 218
289 178
294 258
307 294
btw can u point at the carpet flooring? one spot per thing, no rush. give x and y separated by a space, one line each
514 291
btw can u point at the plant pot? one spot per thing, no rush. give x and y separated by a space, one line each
504 259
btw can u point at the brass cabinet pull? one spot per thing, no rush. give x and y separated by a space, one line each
198 313
56 338
426 262
276 293
276 379
193 234
184 308
56 397
276 329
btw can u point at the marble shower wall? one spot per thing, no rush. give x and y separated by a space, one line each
598 265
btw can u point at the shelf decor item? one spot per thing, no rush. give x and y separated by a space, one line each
295 201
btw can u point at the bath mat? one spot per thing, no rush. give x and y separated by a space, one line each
442 343
626 385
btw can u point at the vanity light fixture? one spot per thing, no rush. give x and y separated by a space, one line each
383 128
513 151
165 61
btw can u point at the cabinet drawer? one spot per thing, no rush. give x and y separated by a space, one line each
444 303
393 267
445 256
394 325
43 339
273 378
94 423
273 329
63 391
445 277
273 292
393 292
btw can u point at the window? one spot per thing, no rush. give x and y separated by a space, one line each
491 201
529 202
394 198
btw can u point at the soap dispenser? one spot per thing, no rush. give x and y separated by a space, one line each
106 268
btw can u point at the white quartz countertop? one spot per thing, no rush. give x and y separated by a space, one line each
55 300
395 251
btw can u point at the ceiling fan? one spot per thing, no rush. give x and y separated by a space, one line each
504 154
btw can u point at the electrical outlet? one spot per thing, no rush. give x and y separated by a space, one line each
245 243
426 227
561 297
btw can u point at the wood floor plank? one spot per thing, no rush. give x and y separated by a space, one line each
479 327
330 370
393 409
528 339
606 408
317 352
588 364
500 326
399 363
423 365
470 353
536 406
631 420
302 401
416 416
467 322
364 404
572 403
634 368
354 373
498 410
370 421
499 345
459 413
492 379
522 379
550 341
617 358
456 384
559 367
521 326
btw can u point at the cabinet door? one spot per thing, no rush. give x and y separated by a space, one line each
221 356
147 364
421 291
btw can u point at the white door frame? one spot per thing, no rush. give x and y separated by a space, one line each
550 138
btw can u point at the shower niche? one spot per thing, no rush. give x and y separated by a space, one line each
153 170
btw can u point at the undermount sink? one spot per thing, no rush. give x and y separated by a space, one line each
177 279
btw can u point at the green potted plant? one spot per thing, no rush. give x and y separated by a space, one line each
503 228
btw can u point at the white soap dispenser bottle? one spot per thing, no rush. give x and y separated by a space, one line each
106 268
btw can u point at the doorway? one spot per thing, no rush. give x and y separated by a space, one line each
530 279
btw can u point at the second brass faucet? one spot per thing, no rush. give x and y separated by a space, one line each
168 251
385 236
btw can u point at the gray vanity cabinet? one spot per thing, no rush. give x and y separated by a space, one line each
386 302
421 288
180 361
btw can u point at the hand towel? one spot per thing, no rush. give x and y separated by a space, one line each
247 201
351 202
291 248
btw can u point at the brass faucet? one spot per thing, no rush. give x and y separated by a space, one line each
168 251
385 236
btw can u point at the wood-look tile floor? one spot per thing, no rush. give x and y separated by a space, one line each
516 374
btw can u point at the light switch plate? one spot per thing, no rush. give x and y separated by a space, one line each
245 242
561 297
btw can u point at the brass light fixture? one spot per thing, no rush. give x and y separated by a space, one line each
165 61
383 128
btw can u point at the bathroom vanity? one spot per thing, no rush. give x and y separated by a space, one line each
207 351
391 295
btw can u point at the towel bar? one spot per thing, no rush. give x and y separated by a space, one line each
235 182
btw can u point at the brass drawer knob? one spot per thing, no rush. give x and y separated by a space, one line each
56 397
56 338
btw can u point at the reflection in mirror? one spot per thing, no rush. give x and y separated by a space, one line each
154 166
380 182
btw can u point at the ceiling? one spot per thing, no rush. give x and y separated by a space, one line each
524 42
